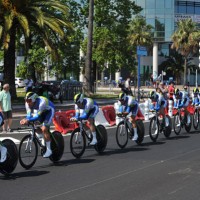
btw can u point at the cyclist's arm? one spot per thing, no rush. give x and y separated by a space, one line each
88 106
77 112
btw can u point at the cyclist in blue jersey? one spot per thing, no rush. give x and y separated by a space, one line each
181 100
90 110
127 104
159 104
195 97
40 109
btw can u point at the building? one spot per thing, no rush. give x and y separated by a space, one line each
163 15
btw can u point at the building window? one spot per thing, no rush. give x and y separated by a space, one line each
150 4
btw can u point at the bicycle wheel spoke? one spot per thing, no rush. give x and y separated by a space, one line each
121 135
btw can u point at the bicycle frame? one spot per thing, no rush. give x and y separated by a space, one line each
82 125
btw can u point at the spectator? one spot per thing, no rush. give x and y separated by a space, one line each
128 87
29 84
163 89
171 90
5 108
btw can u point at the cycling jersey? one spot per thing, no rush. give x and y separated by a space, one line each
89 107
181 100
42 110
130 105
160 102
195 99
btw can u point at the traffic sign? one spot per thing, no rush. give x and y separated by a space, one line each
141 51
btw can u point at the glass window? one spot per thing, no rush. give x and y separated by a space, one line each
159 24
150 11
151 22
160 4
150 4
190 9
197 10
168 4
182 9
141 3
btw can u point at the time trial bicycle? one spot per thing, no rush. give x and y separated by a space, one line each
80 135
28 147
125 131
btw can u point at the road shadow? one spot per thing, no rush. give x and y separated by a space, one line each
178 137
29 173
153 143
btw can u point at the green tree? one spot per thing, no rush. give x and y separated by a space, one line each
185 40
32 17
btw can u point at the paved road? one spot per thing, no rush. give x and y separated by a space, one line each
168 169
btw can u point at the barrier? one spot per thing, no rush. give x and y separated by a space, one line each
116 107
109 113
100 118
62 121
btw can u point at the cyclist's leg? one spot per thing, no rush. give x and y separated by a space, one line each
92 126
46 131
186 112
134 111
3 153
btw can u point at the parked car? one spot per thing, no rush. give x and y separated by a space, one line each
19 82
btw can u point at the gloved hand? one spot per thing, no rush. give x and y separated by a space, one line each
73 119
180 105
119 114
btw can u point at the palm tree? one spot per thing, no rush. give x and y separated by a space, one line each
31 17
185 40
140 33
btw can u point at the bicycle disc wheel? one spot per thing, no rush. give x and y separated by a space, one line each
141 131
153 129
57 146
177 124
10 164
102 138
122 135
188 126
168 129
196 119
28 152
77 143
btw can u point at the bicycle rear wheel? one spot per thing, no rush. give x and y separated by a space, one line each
57 146
177 124
122 135
77 143
10 164
188 126
28 152
102 138
196 119
154 129
141 131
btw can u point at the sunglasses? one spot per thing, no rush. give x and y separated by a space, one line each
28 100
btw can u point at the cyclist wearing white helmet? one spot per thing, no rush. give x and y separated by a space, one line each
127 104
40 109
90 110
159 103
181 100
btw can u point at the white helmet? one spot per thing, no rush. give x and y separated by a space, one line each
31 95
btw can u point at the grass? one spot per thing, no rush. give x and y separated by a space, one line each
104 96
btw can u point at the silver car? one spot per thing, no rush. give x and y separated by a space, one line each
19 82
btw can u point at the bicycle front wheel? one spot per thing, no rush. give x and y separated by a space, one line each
122 135
102 139
177 124
28 152
77 143
153 129
57 146
10 164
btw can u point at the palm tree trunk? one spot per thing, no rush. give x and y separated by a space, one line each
9 63
185 71
88 64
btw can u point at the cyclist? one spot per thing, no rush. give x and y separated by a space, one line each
195 97
90 110
159 104
127 104
3 149
181 100
40 109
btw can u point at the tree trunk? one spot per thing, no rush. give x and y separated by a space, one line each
185 71
9 63
88 64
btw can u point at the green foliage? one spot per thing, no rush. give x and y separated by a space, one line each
22 70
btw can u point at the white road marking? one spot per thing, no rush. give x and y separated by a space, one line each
11 138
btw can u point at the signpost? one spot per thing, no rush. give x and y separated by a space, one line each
141 51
